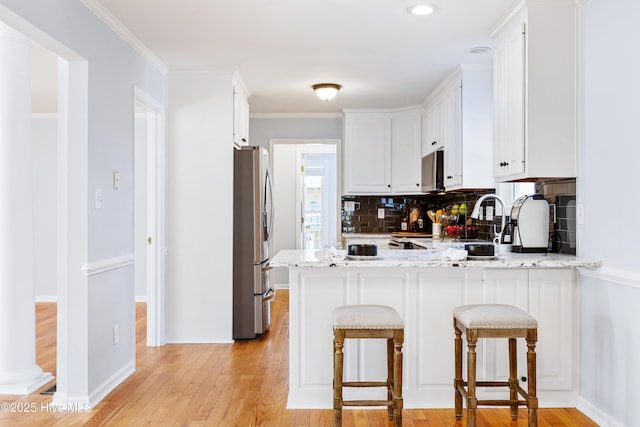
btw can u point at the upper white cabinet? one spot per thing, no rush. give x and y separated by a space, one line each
534 92
459 120
240 114
382 151
406 159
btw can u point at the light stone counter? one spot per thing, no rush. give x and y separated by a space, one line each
425 289
428 258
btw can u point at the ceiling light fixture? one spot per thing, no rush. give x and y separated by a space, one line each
422 9
478 50
326 91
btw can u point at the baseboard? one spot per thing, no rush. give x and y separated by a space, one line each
282 286
602 419
141 298
46 298
110 384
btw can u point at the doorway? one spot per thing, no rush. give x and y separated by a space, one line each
306 182
318 196
149 208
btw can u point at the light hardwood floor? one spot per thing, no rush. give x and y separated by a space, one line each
241 384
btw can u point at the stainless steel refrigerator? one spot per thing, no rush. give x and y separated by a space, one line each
252 237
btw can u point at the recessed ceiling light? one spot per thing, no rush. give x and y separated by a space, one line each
478 49
422 9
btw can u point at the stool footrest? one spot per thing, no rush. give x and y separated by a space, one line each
367 403
364 384
501 402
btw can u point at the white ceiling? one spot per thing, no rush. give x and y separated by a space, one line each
380 54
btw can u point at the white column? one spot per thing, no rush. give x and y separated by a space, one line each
19 373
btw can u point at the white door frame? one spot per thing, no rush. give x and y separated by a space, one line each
338 144
155 217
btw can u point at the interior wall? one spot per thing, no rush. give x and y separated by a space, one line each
609 129
114 67
284 184
44 132
200 207
263 129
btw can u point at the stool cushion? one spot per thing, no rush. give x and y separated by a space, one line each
366 317
494 316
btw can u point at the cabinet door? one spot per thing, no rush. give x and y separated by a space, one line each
432 140
438 292
240 117
406 130
314 293
504 286
552 302
509 102
367 162
452 131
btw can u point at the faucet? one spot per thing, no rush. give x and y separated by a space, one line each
476 214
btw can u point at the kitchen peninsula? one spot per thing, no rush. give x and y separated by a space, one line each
424 288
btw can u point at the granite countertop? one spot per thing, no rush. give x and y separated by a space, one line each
428 258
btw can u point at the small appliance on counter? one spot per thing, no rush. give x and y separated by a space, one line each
529 224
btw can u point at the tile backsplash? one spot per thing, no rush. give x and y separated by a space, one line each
365 219
563 194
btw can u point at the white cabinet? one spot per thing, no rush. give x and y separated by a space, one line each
459 120
406 164
367 153
549 295
431 127
240 114
425 298
553 302
535 93
382 152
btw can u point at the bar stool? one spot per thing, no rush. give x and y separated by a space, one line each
494 321
369 321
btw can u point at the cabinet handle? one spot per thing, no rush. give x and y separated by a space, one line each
450 177
503 164
434 142
523 379
389 185
417 184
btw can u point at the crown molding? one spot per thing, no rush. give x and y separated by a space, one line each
105 16
296 115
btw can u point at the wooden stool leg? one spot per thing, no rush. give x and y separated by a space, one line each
390 377
398 341
338 343
472 400
513 377
532 401
457 381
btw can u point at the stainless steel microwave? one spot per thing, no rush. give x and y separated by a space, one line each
433 172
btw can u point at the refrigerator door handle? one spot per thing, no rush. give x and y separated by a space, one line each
269 295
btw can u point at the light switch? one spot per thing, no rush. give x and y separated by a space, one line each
380 213
116 180
489 213
99 198
349 206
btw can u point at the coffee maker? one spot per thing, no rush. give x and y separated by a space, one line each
530 224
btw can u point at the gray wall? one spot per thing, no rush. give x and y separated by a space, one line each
261 130
607 184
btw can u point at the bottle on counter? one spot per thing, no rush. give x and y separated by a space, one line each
404 225
421 221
